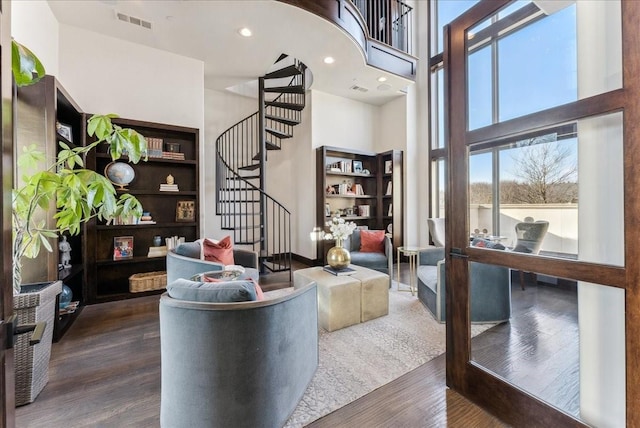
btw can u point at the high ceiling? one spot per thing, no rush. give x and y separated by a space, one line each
208 30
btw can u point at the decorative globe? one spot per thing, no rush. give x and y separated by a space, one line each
65 296
120 174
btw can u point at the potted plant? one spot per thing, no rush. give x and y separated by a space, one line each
79 195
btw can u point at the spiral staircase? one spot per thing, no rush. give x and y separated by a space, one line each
257 219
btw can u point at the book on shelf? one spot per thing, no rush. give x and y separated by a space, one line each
146 222
389 188
157 251
169 187
364 210
341 272
154 147
172 155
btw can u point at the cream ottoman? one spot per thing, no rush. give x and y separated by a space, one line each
374 292
338 297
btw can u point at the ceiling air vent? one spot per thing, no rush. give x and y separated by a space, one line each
133 20
359 88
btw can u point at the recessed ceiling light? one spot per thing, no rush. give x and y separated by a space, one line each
329 60
382 79
245 32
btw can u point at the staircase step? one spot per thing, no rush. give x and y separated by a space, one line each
288 71
250 167
290 106
284 120
276 267
277 133
242 177
248 242
293 89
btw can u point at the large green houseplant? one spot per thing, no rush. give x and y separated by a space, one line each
79 194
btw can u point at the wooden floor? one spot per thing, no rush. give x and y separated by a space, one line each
106 372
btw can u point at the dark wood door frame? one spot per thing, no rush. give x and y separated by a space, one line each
7 380
501 398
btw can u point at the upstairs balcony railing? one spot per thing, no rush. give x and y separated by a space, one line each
388 21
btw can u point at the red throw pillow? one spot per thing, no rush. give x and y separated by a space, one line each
220 252
372 241
259 293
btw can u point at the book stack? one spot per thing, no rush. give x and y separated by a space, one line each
173 242
164 187
364 210
146 219
157 251
341 272
173 155
154 147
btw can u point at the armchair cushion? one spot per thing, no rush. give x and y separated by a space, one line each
372 241
212 292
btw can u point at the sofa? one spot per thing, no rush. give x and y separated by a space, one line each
238 364
382 262
490 288
184 261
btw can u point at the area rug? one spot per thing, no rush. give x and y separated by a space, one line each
356 360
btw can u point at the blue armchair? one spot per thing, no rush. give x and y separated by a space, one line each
490 288
184 261
382 262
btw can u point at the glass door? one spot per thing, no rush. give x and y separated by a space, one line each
541 186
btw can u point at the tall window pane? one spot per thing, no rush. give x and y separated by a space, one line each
480 88
537 66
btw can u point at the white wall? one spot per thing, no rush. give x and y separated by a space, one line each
105 74
34 26
222 110
342 122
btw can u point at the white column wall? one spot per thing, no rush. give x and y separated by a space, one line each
601 314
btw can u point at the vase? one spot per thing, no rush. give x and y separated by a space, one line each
338 257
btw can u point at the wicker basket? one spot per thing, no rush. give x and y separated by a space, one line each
147 281
32 362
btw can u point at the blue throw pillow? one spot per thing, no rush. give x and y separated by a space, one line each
212 292
189 249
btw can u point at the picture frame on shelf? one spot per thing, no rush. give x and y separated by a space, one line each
122 247
64 131
327 210
357 166
186 211
388 167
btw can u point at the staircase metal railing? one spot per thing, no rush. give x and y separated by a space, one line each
256 218
388 22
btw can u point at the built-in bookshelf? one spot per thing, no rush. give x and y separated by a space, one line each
363 187
167 187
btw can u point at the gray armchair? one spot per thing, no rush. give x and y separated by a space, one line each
382 262
243 364
436 230
530 235
490 288
184 261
